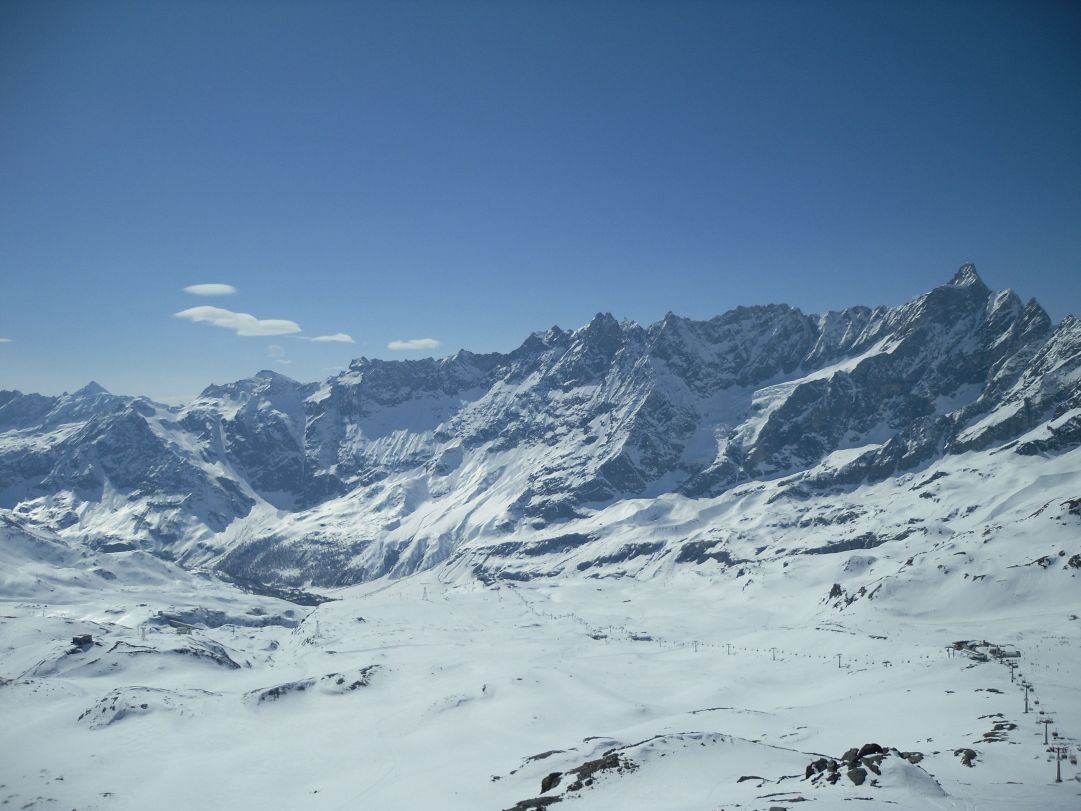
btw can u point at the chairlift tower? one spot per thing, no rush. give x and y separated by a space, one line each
1046 728
1060 751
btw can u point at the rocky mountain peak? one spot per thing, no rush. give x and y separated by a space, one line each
966 276
601 323
91 389
270 374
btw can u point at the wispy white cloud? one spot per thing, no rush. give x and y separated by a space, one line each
336 338
210 289
241 323
413 344
5 340
276 353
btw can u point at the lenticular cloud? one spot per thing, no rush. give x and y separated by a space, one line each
241 323
210 289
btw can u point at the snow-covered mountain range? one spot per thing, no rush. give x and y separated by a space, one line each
752 562
565 454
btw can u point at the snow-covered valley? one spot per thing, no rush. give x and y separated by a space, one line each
702 685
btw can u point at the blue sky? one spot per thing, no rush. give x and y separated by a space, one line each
472 172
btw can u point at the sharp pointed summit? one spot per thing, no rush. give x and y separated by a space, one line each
90 389
966 276
270 374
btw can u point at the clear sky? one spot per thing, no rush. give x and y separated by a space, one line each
469 172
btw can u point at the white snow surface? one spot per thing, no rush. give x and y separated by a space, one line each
441 691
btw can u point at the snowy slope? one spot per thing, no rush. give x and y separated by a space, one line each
697 688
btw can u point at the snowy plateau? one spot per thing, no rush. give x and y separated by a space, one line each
770 560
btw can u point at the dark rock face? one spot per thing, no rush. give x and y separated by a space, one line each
968 756
581 777
606 412
586 773
331 683
535 804
857 762
857 775
869 749
550 781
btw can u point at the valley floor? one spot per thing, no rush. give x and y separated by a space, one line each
675 693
